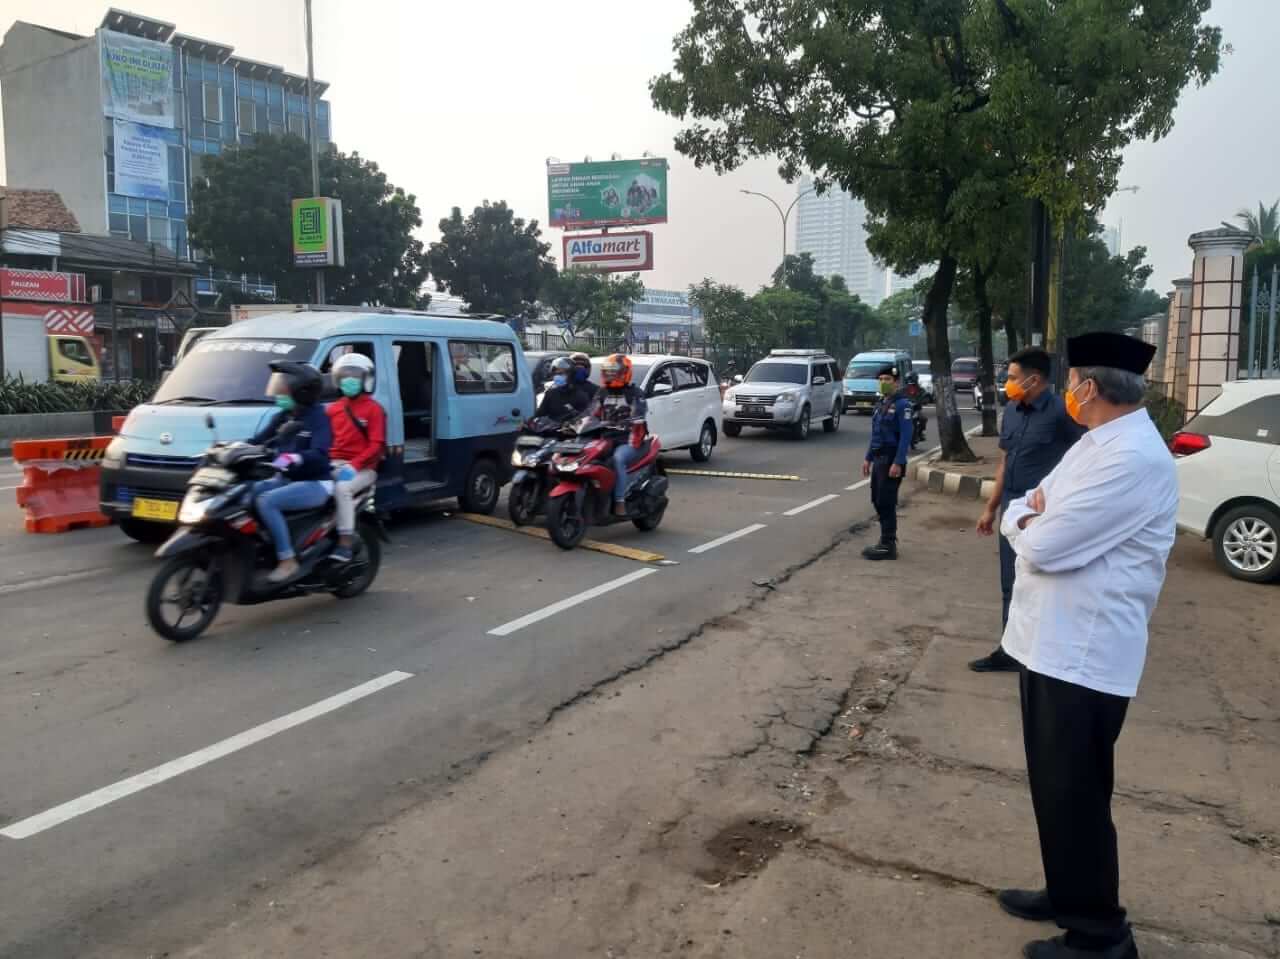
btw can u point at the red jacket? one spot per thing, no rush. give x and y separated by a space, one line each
351 445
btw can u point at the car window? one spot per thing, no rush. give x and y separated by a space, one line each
480 367
75 350
687 376
766 372
964 366
1257 421
662 375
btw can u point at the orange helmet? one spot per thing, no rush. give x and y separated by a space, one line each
616 371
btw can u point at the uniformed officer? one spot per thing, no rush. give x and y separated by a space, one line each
886 460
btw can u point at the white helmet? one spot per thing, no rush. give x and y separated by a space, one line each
355 364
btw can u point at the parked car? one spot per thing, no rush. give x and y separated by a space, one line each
861 386
1002 398
785 391
1228 461
964 374
539 363
683 396
924 376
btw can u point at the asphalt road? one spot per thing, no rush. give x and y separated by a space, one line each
471 637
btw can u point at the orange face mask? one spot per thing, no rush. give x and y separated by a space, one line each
1074 405
1015 390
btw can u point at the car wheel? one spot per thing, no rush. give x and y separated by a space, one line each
706 443
144 532
482 488
732 429
800 429
832 422
1246 542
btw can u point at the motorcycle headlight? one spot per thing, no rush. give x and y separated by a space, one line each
517 458
569 467
195 507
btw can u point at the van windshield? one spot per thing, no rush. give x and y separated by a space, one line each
865 369
229 371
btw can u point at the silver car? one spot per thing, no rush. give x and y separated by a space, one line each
786 391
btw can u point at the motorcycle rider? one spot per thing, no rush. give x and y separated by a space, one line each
582 374
564 397
359 426
622 405
886 461
303 457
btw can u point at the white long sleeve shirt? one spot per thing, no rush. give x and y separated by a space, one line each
1090 567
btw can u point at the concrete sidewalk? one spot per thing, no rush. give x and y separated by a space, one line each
819 775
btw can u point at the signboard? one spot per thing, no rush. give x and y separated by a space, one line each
916 328
142 160
609 252
67 320
137 79
317 232
612 193
42 285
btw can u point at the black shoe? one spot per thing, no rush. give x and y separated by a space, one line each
1026 903
881 551
1057 948
997 662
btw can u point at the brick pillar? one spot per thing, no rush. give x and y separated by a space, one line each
1217 294
1175 355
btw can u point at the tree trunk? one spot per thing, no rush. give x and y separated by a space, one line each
1010 333
986 353
950 431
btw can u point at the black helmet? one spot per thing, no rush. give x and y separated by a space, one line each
561 365
302 381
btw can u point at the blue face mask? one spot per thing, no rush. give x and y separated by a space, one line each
560 379
350 386
286 403
579 375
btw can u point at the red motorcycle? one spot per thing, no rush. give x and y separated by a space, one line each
582 470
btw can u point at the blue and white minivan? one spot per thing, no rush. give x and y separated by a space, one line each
861 386
456 390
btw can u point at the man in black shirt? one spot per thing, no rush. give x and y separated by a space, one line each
1035 434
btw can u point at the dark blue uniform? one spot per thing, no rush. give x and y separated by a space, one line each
891 428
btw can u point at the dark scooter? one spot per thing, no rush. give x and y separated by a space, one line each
222 551
527 498
918 419
582 469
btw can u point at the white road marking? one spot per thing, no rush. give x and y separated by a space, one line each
55 580
9 487
547 611
811 504
858 485
176 767
728 538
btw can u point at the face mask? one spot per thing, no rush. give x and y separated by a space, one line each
580 375
1015 389
1074 405
350 386
285 402
560 379
887 388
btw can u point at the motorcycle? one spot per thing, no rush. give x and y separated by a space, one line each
582 469
527 498
222 551
918 420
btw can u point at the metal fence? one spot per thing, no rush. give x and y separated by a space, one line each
721 357
1262 358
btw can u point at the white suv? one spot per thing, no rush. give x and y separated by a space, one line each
683 396
787 390
1228 460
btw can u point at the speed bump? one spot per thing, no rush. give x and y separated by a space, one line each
611 549
755 476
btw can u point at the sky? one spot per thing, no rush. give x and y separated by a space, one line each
465 102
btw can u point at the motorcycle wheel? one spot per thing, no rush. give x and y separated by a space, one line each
649 521
522 503
565 522
365 548
196 589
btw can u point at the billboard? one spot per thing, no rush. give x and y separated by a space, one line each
137 79
609 252
317 232
611 193
142 160
42 285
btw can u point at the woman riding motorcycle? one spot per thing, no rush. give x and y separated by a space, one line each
564 397
303 459
622 405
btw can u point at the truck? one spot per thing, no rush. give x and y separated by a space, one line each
46 330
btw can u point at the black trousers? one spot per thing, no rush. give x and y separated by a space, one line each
884 497
1070 734
1008 559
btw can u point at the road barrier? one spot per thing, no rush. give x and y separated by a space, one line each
59 488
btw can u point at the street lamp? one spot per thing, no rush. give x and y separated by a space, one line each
782 213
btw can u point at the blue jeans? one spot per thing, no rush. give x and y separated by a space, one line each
623 457
276 496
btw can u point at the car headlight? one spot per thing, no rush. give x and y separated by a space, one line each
113 458
730 396
785 399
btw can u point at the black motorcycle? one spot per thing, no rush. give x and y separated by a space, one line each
918 420
222 550
527 498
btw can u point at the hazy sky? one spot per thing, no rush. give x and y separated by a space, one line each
464 101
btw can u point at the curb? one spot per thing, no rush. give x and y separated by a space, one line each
953 484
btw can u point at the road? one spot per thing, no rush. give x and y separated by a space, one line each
290 729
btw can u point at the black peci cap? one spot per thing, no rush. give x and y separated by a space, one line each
888 370
1114 350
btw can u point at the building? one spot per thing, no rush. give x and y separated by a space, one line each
664 313
1111 237
831 227
119 123
899 283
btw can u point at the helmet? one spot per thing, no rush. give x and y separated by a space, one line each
616 372
354 364
561 366
580 359
302 381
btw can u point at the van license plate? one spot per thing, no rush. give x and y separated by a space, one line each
163 510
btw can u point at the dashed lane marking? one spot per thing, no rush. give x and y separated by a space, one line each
610 549
811 504
728 538
576 600
730 475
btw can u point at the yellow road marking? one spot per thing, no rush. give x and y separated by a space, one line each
611 549
754 476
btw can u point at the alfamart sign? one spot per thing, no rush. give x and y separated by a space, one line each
609 252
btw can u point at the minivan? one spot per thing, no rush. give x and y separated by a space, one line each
861 383
456 391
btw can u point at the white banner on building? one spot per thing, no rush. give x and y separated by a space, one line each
142 161
137 79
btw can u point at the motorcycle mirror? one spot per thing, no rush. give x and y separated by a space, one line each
289 429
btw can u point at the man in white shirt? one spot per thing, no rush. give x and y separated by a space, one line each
1091 543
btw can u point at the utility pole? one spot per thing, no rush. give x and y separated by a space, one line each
314 137
785 214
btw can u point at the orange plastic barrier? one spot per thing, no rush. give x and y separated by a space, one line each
117 423
59 488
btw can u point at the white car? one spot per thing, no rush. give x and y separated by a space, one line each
1228 461
683 397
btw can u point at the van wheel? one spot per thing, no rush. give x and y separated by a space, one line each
706 443
481 495
144 532
1246 543
733 429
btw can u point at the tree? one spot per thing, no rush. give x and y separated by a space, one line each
493 259
241 212
928 110
586 300
727 315
1265 224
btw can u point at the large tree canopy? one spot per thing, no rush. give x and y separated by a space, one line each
241 210
585 301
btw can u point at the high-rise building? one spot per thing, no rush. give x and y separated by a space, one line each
119 123
831 227
1111 237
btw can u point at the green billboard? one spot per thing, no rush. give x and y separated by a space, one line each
317 232
609 193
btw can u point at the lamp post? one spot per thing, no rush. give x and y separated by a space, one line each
313 130
784 214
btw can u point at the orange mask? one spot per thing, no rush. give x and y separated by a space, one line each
1074 405
1015 391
